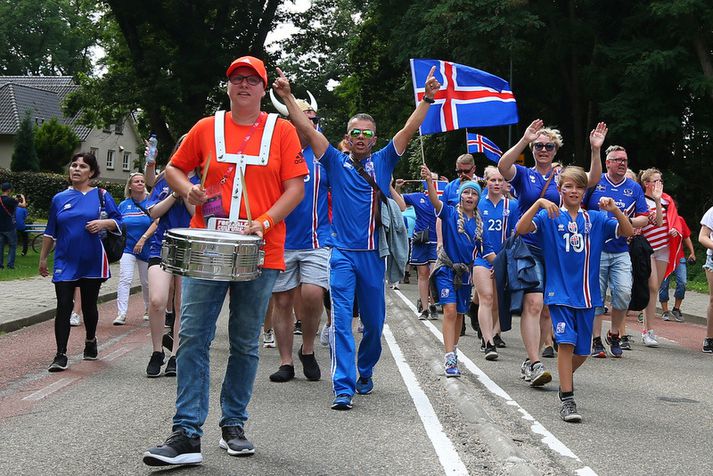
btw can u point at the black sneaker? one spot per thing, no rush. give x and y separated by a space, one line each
499 342
177 449
154 367
548 352
568 411
284 374
167 341
310 367
625 343
170 370
298 328
707 346
491 353
90 349
433 309
424 315
59 363
169 320
233 439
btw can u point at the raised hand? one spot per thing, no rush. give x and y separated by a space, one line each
607 204
553 210
281 85
399 182
426 173
432 85
533 130
597 136
658 190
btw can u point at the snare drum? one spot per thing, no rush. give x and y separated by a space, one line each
214 255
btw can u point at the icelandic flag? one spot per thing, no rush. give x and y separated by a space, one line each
483 145
440 186
468 97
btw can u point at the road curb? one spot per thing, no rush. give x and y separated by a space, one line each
498 442
46 315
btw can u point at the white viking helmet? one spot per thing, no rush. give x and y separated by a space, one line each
304 105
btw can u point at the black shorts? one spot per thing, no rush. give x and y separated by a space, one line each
154 261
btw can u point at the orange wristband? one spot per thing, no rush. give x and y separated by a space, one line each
266 222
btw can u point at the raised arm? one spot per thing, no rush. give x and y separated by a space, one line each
396 194
316 139
402 138
525 224
506 164
625 226
432 195
596 139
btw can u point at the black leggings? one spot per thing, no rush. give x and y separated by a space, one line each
65 303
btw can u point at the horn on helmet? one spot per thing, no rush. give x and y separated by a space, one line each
281 108
312 101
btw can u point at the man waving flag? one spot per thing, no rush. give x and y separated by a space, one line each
468 97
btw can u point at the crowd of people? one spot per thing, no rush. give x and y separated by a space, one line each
318 210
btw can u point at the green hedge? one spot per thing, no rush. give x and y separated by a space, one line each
40 187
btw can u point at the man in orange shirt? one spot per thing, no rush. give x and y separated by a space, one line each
268 152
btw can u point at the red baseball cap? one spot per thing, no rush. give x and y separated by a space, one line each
251 62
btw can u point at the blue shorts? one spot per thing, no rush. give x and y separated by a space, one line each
422 254
539 268
482 262
573 326
447 293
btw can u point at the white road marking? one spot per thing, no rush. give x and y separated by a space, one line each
536 427
50 389
447 454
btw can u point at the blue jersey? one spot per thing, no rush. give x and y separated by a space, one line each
78 253
528 185
136 222
628 196
460 247
410 220
499 221
574 248
425 213
20 217
308 224
354 206
176 217
450 193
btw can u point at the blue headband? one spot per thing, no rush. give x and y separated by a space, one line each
469 184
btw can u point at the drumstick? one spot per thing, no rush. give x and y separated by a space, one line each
245 196
205 169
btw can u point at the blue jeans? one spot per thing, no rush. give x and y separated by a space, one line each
202 301
615 274
9 237
681 278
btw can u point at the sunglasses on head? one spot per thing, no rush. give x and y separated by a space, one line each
368 133
252 79
550 146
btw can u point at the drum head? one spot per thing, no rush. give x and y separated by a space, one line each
211 235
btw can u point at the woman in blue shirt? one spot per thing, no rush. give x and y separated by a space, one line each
462 230
80 261
139 230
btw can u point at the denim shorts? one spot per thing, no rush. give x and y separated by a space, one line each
615 274
304 267
709 263
539 269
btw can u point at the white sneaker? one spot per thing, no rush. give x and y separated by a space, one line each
268 339
74 319
324 336
649 338
146 315
120 320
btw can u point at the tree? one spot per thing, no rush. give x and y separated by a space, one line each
51 38
55 143
168 59
25 156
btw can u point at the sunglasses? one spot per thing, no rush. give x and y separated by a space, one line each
252 79
548 147
464 171
368 133
315 120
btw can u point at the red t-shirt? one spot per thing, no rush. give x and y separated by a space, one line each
264 183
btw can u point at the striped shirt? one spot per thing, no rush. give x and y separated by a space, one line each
657 236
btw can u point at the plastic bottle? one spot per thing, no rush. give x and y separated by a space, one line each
102 216
152 149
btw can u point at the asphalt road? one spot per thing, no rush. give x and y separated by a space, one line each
648 413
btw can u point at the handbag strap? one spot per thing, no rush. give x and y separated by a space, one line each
370 180
138 205
101 199
542 193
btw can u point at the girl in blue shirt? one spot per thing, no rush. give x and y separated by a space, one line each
500 214
139 230
79 258
461 229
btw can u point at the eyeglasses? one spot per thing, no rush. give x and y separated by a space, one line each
619 161
368 133
252 79
315 120
550 146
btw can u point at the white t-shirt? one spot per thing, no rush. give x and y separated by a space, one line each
707 220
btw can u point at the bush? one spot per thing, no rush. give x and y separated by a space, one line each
54 143
24 156
40 187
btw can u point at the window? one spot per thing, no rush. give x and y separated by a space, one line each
110 159
119 127
126 162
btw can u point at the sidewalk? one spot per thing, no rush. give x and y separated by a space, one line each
28 301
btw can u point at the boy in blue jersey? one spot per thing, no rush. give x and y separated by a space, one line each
615 266
306 277
576 238
354 261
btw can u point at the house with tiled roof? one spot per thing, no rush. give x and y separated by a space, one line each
116 147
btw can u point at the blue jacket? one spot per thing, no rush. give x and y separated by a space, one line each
514 274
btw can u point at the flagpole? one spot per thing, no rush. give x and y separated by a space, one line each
423 155
466 140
